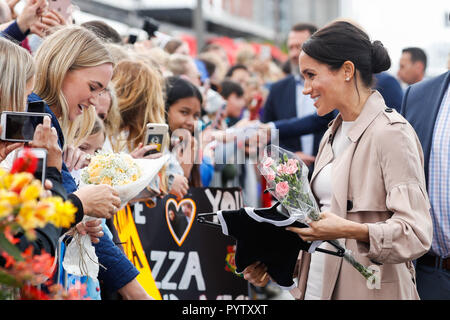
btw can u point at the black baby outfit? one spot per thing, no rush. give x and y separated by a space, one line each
261 236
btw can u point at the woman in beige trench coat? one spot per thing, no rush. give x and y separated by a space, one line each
377 205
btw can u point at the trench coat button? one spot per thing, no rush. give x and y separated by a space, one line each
349 205
388 110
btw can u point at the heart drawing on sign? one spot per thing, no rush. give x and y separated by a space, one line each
179 217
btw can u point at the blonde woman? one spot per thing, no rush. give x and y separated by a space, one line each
18 72
73 68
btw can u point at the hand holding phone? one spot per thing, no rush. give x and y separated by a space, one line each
156 135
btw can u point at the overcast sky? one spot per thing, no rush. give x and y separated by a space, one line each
403 23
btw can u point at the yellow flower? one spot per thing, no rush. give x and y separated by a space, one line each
63 212
31 191
5 208
11 197
20 180
30 218
3 173
6 181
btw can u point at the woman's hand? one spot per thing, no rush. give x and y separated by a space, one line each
46 137
141 150
49 20
186 154
93 228
31 14
332 227
180 186
7 147
100 201
75 159
256 274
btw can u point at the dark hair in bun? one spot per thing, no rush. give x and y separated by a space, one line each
342 41
380 57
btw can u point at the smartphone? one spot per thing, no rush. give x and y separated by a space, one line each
19 126
41 155
36 106
63 7
156 135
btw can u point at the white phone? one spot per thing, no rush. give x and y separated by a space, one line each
63 7
156 135
41 155
20 126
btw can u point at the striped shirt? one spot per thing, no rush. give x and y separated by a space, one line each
439 180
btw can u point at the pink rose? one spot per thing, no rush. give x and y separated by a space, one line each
268 162
270 175
291 168
281 169
282 189
292 162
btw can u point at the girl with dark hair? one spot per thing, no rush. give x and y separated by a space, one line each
183 106
368 177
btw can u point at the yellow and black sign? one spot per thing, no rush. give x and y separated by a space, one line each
179 258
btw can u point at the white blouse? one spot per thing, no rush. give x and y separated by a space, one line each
323 191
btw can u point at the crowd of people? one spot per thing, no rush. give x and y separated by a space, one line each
378 156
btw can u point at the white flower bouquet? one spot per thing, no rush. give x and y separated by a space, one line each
287 181
127 175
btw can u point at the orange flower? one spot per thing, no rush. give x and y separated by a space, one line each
9 236
10 261
20 180
29 292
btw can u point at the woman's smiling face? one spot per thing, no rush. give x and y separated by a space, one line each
80 87
321 84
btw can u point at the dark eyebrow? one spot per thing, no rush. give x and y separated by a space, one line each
98 83
305 71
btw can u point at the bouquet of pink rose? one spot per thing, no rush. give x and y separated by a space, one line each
287 181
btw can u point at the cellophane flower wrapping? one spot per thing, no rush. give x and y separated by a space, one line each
126 175
287 181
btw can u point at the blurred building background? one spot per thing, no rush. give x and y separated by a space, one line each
397 23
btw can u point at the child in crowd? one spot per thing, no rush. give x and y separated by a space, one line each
183 107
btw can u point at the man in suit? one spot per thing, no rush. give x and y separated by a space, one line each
412 66
426 105
286 100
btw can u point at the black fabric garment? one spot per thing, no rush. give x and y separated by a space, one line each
266 242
